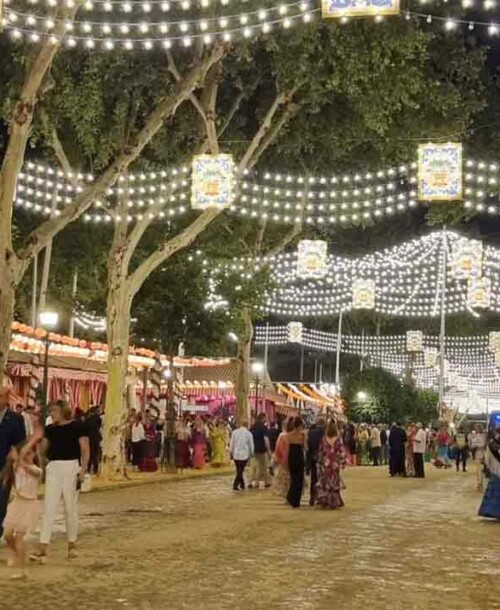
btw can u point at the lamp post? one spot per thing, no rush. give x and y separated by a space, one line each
48 321
169 451
257 370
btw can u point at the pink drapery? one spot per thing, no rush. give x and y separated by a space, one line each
96 392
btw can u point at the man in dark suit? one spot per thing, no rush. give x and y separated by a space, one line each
12 432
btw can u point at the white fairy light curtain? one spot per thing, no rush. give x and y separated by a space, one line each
467 258
440 172
212 184
312 259
414 341
407 277
469 361
335 200
363 294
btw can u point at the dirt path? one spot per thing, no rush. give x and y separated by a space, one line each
399 544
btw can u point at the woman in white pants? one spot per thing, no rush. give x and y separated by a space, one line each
66 446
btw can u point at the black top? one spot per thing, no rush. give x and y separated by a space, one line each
259 432
383 437
64 441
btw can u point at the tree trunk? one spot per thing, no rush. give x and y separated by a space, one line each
115 418
243 367
7 296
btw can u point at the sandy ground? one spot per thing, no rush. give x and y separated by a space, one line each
398 544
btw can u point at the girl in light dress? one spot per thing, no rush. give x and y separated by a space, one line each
24 510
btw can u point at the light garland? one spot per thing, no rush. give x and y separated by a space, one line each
276 199
406 278
147 34
468 360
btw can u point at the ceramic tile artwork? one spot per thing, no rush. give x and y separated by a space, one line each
338 9
440 172
494 341
363 294
430 356
414 341
479 292
295 332
467 259
212 181
312 259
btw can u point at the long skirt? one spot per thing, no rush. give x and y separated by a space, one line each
281 482
490 506
296 464
138 450
182 454
149 463
328 488
199 455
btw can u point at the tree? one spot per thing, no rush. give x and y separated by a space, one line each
375 395
15 261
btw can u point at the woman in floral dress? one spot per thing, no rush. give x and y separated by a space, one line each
331 459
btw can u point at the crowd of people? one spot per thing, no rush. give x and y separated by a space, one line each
286 457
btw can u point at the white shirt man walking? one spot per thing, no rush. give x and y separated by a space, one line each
419 447
241 448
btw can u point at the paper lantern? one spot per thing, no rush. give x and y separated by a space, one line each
312 259
363 294
212 181
414 341
479 293
467 259
295 332
430 357
440 172
494 341
338 9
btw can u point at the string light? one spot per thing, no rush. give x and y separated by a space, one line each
342 200
146 33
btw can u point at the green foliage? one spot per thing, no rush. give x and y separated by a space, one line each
386 399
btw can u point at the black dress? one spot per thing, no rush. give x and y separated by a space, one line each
296 464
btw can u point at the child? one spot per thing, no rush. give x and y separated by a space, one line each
24 510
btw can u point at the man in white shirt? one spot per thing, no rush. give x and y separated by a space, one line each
376 444
419 447
241 449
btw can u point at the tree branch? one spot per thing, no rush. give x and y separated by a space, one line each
170 247
273 133
56 143
21 120
234 109
192 98
164 109
264 127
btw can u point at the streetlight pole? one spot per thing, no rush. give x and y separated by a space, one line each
339 346
48 321
442 333
257 369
